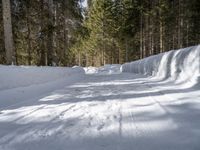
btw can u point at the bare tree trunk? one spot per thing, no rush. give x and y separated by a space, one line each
87 59
145 36
161 31
8 35
29 33
187 32
149 29
102 57
126 42
119 55
180 24
173 42
104 50
79 58
103 40
42 35
66 31
55 57
141 35
66 43
50 34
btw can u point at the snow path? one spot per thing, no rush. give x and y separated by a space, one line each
105 112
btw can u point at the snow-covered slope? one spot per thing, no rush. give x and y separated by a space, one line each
104 70
13 76
100 111
178 65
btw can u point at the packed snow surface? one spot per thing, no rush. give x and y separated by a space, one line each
13 77
103 110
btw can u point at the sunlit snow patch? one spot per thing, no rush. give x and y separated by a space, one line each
104 70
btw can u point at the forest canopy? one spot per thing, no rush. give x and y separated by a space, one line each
64 33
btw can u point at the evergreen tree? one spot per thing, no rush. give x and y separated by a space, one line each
63 33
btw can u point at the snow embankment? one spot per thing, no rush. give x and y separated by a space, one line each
104 70
178 65
22 76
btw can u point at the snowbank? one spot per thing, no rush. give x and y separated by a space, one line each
107 69
91 70
110 69
20 76
180 65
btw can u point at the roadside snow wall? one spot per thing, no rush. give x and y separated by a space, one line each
20 76
180 65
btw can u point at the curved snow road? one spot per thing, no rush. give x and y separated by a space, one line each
105 112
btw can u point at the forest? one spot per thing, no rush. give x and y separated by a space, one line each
66 33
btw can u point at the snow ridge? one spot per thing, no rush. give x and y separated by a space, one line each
181 65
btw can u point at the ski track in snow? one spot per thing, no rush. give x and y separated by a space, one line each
104 112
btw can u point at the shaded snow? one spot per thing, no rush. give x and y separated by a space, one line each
13 76
180 66
106 110
19 84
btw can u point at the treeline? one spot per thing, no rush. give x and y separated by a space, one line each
117 31
43 31
62 33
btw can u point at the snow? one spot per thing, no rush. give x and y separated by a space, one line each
20 83
12 76
91 70
104 70
179 66
105 109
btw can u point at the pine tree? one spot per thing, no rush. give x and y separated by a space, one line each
62 32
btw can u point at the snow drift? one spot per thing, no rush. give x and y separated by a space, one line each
20 76
179 65
110 69
107 69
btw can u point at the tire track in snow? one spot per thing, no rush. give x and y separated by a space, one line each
167 111
169 120
118 113
133 129
142 128
8 138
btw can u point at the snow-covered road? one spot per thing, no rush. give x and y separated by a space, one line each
105 112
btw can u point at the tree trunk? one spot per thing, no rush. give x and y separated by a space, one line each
126 42
66 43
180 24
42 35
50 34
79 58
161 37
187 34
29 33
141 35
8 35
160 30
55 57
66 30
